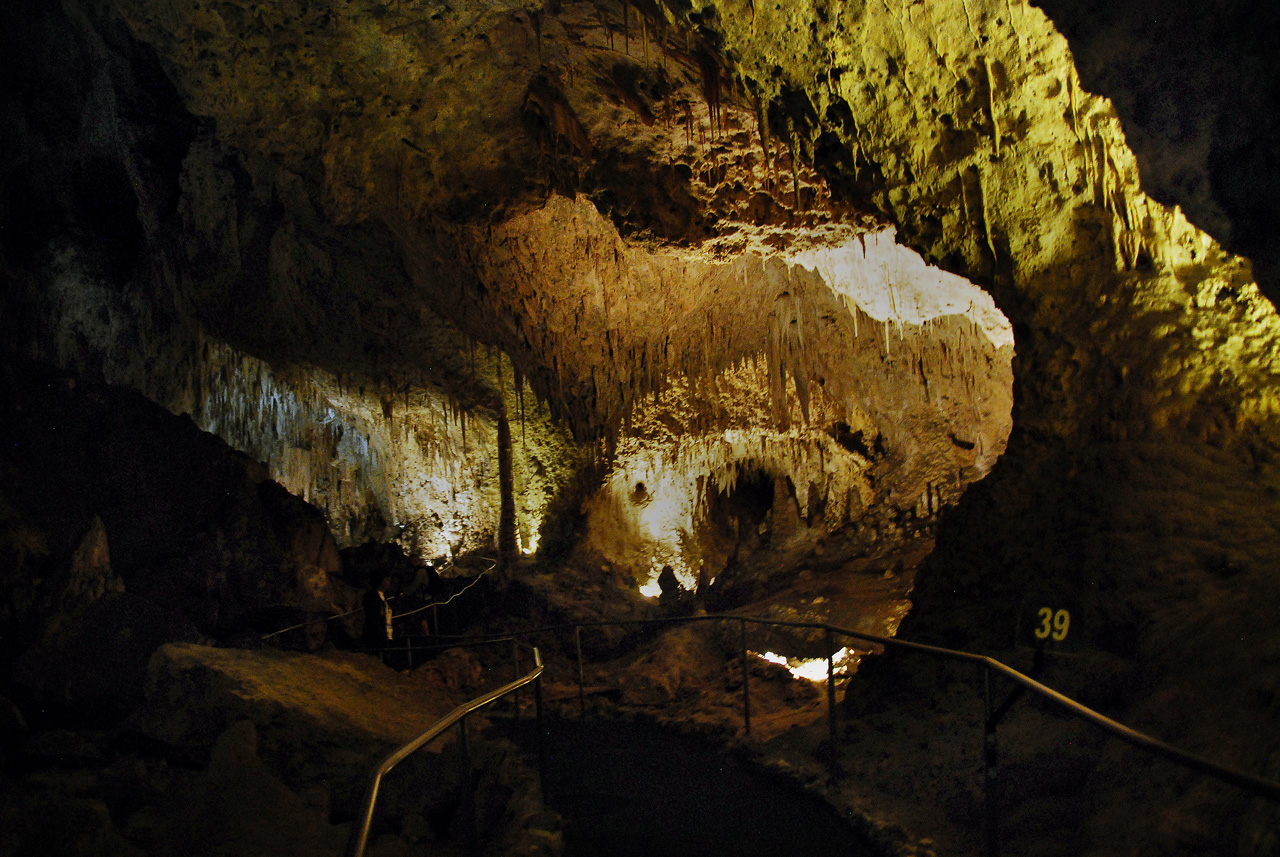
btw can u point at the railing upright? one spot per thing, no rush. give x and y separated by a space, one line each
746 682
542 734
582 690
831 689
991 770
992 713
515 673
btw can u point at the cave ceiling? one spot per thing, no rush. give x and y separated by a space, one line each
356 235
740 282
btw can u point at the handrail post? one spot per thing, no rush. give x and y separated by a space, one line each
359 832
542 733
746 682
360 827
515 674
831 689
468 793
582 693
990 756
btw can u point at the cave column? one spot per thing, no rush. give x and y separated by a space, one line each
507 547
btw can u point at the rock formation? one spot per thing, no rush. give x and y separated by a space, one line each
645 276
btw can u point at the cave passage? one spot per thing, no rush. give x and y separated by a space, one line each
629 789
865 391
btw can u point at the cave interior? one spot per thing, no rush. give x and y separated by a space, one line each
936 319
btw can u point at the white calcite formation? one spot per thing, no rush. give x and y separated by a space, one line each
652 240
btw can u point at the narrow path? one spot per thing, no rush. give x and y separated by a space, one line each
637 790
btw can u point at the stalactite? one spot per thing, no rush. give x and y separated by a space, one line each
969 21
710 69
508 547
795 167
644 33
535 19
986 219
802 393
604 22
991 103
1071 106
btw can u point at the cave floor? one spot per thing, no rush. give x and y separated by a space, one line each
689 678
691 675
871 595
635 789
908 768
909 765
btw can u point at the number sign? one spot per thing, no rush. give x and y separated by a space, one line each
1054 624
1049 622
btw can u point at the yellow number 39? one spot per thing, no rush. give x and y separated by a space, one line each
1053 624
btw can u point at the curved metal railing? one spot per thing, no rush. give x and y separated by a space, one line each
433 606
359 835
990 666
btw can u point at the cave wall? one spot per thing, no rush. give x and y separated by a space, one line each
1140 476
1195 86
123 527
143 250
1129 323
332 189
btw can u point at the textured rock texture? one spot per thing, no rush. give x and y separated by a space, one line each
353 238
124 527
1195 87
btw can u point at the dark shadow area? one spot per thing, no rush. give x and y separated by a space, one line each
1196 85
636 789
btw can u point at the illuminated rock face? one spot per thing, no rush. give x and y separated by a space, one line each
845 412
382 455
329 314
348 238
1194 87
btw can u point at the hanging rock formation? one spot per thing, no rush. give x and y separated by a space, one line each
347 237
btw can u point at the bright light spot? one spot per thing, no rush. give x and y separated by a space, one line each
651 589
891 282
810 669
529 548
813 669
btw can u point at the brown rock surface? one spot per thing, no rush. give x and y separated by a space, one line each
350 239
318 717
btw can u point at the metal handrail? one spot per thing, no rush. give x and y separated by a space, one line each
1248 782
316 620
359 835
